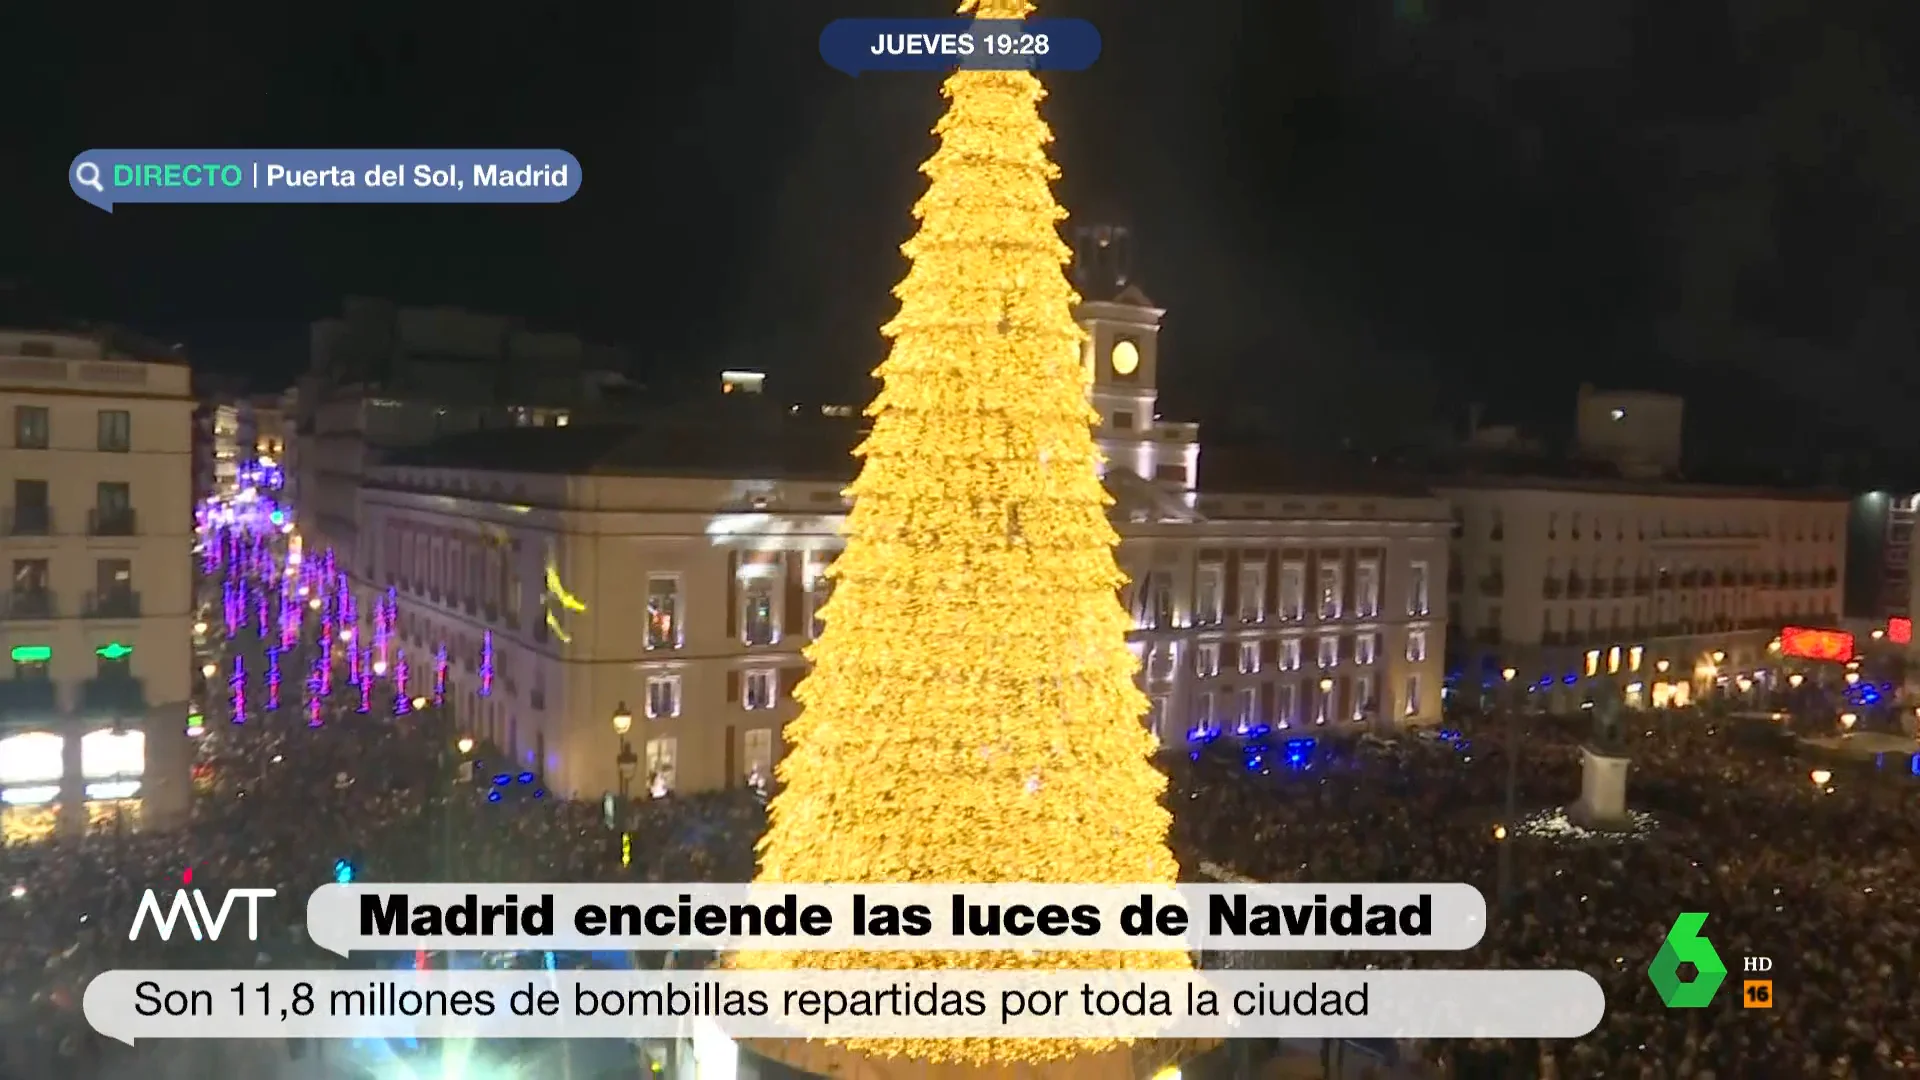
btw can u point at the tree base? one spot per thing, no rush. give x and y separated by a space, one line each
1139 1062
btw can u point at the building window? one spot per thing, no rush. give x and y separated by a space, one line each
1203 714
1206 659
30 663
32 429
1366 590
116 431
1413 695
112 663
1366 648
1417 646
663 613
757 747
817 595
663 696
113 509
1249 657
1417 589
1289 704
1156 713
1362 696
1327 592
1593 661
1249 712
757 624
1293 591
760 689
1329 652
1253 593
1208 590
1160 600
1161 661
1123 421
1290 654
662 756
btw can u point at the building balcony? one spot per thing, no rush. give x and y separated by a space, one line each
112 604
113 697
1576 588
1493 585
1551 588
30 701
35 605
29 521
111 521
1642 586
1600 587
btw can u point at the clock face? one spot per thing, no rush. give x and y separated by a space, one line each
1125 358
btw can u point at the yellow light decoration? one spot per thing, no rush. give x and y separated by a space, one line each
553 624
559 592
972 714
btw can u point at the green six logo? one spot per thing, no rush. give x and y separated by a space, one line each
1684 945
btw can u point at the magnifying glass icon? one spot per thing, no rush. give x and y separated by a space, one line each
87 174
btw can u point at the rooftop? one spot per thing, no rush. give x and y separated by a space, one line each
800 450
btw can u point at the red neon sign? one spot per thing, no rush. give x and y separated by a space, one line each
1900 631
1810 644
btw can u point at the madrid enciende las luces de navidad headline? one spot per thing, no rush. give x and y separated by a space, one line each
1230 914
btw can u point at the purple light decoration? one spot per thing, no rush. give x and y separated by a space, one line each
356 672
289 622
210 554
366 688
273 679
237 682
230 608
440 675
486 663
313 713
402 705
260 614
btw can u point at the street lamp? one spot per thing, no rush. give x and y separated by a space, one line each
200 627
1794 680
207 670
419 703
624 761
1820 777
1513 788
465 744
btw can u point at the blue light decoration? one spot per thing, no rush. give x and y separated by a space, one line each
237 682
494 795
277 518
440 674
1203 733
1571 678
1913 764
486 663
1299 754
273 679
402 705
342 872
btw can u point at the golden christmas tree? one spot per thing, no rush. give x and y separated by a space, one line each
972 714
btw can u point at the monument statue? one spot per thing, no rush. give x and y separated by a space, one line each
1607 735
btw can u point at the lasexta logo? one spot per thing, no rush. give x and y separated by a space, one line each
1685 945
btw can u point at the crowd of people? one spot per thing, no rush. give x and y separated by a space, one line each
1820 877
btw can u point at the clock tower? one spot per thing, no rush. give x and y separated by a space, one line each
1122 354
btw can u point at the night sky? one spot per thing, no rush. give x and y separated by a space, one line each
1363 214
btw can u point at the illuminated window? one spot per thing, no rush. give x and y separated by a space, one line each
1329 651
663 613
1417 646
1633 657
1613 658
760 689
663 696
1327 593
1593 661
109 755
1253 593
757 623
1290 654
1249 707
1417 589
1206 659
1293 591
663 755
38 757
1366 648
1249 657
1207 595
757 747
1366 590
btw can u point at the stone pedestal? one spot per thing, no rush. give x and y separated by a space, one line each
1603 788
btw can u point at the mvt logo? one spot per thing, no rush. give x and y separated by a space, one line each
191 905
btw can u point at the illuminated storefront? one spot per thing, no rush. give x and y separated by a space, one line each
32 767
34 782
112 764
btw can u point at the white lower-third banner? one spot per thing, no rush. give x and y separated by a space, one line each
188 1004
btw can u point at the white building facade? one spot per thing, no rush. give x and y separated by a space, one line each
97 620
